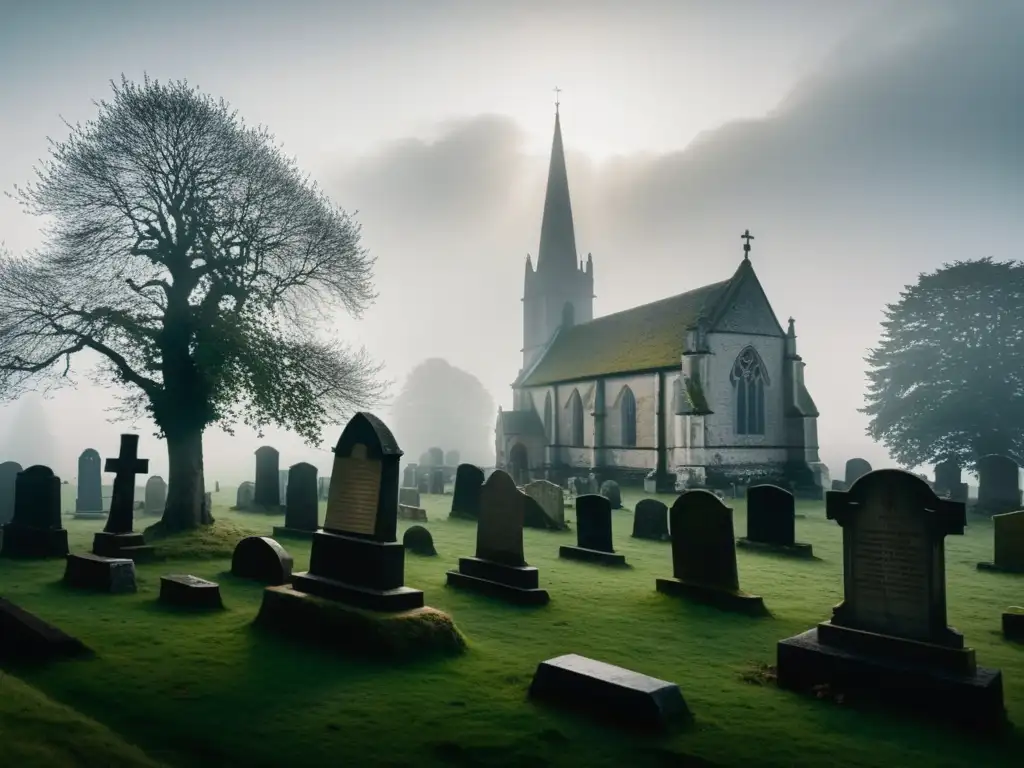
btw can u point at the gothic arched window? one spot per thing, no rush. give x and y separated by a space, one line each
568 314
576 419
549 427
749 379
627 410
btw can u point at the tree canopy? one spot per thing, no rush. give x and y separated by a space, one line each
196 260
946 381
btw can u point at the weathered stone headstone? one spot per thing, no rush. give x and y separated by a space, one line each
593 486
409 476
499 568
998 484
90 485
949 481
245 495
610 490
856 468
35 531
704 555
839 485
1008 532
8 478
437 482
267 495
771 522
155 495
118 538
112 575
451 458
415 514
302 506
888 639
261 559
418 540
593 533
469 480
549 497
650 520
409 496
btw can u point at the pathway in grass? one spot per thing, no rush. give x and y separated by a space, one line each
197 690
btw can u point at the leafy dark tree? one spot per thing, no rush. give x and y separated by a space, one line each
442 404
193 258
947 378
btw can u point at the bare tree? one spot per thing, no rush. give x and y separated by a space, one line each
187 251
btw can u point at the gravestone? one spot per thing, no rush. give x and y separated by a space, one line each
409 496
998 484
435 457
418 540
113 575
616 696
839 485
610 490
592 486
90 486
282 485
436 482
949 481
1013 623
888 639
323 488
24 637
856 468
35 530
356 559
216 486
261 559
593 533
549 497
650 520
245 495
469 481
499 568
535 517
8 478
415 514
1008 535
267 493
423 483
302 505
183 590
704 555
409 476
771 522
155 496
451 458
118 539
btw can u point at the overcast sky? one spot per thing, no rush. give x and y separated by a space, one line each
860 142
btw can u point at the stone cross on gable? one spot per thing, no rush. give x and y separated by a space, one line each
125 467
746 237
557 102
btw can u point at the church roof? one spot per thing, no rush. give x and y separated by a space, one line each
557 233
520 423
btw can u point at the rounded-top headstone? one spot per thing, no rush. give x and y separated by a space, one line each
610 490
262 559
650 520
418 540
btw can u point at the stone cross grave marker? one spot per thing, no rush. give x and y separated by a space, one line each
268 481
125 467
469 481
90 484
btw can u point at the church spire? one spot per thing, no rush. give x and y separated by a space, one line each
557 234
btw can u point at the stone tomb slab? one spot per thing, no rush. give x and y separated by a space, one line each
187 591
413 514
609 693
123 545
1008 535
262 559
114 575
24 637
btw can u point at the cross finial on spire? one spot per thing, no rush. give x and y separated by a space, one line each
557 102
747 237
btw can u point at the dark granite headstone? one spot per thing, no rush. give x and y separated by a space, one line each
35 531
8 477
1008 539
593 533
612 694
704 555
888 639
499 568
90 485
267 494
856 468
114 575
261 559
418 540
610 490
949 481
469 480
650 520
186 591
155 496
356 558
998 484
26 637
302 505
118 538
771 522
437 481
1013 623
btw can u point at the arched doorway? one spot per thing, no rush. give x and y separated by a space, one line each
519 464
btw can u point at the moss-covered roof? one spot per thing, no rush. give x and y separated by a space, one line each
521 423
643 338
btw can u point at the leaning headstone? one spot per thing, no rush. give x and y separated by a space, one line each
856 468
418 540
949 481
771 522
888 639
469 480
186 591
113 575
155 496
536 518
26 637
35 530
499 568
704 555
551 500
998 484
650 520
118 538
245 495
611 694
1008 533
436 482
90 485
414 514
302 506
267 495
261 559
8 477
593 533
409 496
610 490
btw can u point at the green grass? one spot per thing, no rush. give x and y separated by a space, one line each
208 690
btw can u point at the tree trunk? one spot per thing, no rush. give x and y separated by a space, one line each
186 486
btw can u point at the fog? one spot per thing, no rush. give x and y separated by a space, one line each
861 143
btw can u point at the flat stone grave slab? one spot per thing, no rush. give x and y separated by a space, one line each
609 693
187 591
414 514
1013 624
120 545
26 637
115 575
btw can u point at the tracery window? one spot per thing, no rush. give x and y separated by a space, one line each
748 380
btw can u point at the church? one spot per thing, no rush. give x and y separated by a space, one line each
703 388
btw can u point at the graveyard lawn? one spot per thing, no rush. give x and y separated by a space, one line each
209 690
